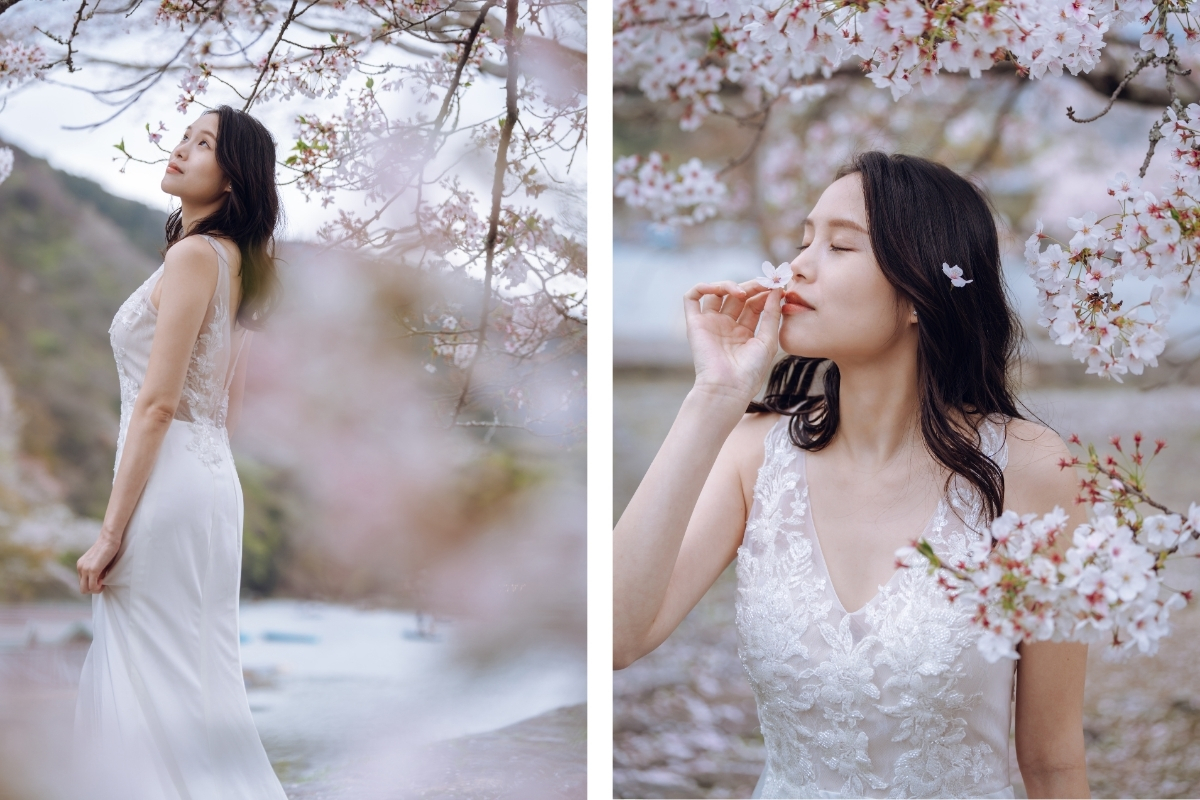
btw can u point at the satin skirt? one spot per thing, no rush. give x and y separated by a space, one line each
162 712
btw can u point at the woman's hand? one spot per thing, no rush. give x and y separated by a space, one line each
93 565
722 319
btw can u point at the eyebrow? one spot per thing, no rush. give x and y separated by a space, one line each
839 223
202 133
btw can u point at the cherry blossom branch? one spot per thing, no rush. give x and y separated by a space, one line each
452 89
287 20
510 121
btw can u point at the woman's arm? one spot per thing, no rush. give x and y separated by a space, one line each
1050 675
188 281
683 524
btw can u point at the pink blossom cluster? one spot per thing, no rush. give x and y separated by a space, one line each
254 15
336 152
1106 588
19 62
688 195
1150 238
193 83
683 51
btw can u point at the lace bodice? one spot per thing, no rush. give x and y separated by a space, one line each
893 700
205 398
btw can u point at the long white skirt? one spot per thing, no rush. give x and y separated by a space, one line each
162 712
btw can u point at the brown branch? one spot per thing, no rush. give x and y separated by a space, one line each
5 5
1141 62
760 128
291 15
458 69
510 122
993 143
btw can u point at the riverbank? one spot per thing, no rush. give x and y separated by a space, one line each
350 703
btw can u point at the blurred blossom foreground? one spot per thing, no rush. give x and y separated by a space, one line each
413 613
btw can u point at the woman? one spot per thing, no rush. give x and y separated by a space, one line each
867 679
162 710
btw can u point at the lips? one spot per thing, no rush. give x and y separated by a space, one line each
795 304
173 168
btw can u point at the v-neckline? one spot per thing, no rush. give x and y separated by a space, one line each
812 530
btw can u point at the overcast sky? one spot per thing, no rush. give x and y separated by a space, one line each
35 114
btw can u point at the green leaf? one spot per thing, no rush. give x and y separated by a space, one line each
370 83
121 146
715 39
926 549
333 38
291 160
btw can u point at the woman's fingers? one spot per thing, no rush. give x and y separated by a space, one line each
768 322
725 297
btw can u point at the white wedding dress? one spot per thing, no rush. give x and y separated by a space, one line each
162 712
893 700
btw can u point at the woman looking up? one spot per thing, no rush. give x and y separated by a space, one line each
162 711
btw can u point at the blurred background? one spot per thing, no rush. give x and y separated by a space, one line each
685 723
413 615
411 455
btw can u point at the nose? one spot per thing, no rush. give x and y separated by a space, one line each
802 267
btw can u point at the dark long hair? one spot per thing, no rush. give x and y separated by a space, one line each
921 214
251 211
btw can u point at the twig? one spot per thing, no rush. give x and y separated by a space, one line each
1143 61
510 122
291 15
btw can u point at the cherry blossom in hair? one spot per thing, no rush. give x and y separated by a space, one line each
955 274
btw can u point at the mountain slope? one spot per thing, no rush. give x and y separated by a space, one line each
65 267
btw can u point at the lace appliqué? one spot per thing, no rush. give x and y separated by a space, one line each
778 598
129 390
203 394
818 677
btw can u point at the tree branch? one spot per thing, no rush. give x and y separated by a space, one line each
287 20
510 121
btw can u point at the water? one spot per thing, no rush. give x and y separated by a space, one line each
335 691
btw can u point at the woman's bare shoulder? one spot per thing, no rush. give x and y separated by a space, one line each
744 447
192 253
1035 478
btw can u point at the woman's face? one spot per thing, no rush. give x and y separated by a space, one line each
192 173
838 304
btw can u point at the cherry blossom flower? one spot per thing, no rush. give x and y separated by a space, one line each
19 62
775 277
955 274
688 195
1105 589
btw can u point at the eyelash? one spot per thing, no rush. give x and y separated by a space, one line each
201 141
831 247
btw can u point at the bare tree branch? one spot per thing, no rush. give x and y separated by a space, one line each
510 121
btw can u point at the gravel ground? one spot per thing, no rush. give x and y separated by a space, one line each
685 723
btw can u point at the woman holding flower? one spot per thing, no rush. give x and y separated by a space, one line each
869 680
